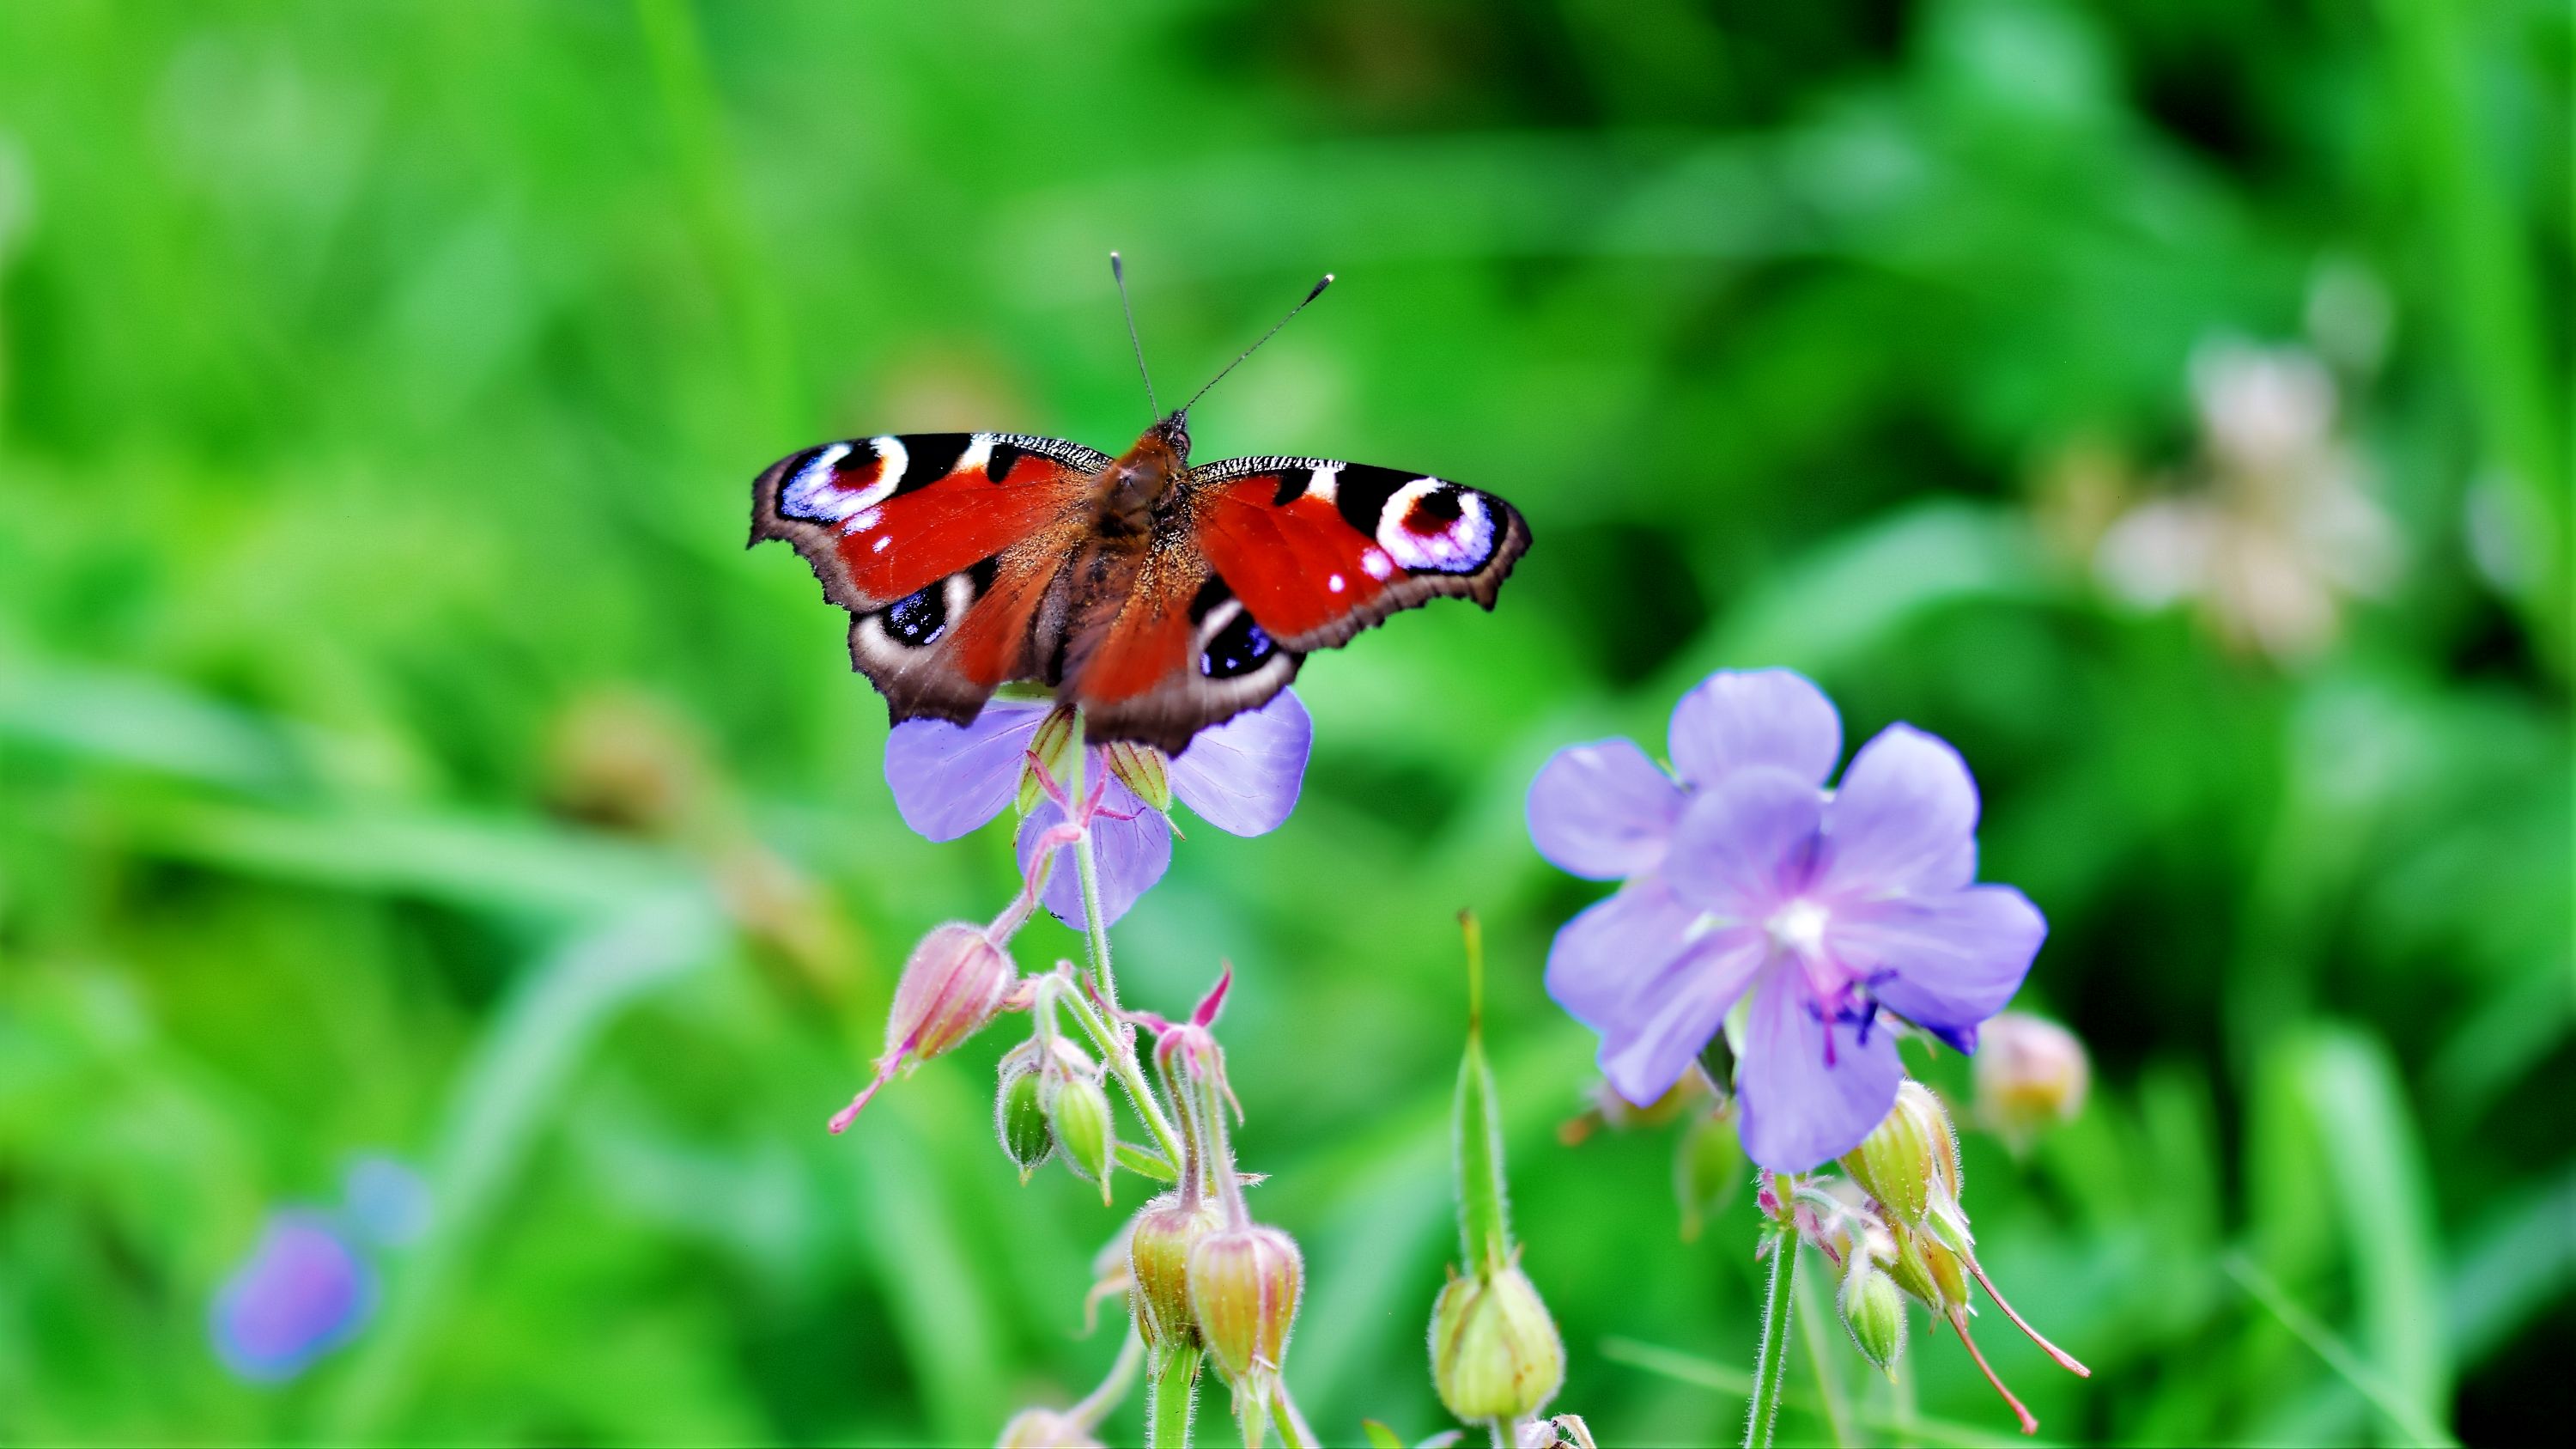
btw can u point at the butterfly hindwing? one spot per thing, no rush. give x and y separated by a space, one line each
1264 560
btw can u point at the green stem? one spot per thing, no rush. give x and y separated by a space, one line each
1093 925
1291 1424
1770 1363
1095 1406
1828 1385
1503 1438
1118 1048
1174 1398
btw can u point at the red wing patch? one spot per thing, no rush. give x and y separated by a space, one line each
1319 550
880 519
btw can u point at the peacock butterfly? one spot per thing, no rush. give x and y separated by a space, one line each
1159 596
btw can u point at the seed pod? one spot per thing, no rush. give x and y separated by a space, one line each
1158 1257
1495 1353
1873 1310
1244 1284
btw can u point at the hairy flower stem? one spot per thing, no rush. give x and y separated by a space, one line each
1095 1406
1828 1385
1117 1046
1174 1396
1291 1424
1771 1360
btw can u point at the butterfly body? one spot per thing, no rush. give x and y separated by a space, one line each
1159 597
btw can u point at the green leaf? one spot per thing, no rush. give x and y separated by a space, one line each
1379 1435
1145 1162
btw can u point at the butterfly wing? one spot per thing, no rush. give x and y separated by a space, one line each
1319 550
1264 560
941 546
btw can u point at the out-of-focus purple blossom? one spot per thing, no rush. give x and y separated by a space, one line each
1750 882
304 1291
386 1202
1241 776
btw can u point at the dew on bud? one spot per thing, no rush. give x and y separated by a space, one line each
1244 1286
955 981
1910 1160
1495 1352
1019 1119
2032 1074
1158 1259
1873 1310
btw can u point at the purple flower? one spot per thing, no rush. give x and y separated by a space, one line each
1749 882
303 1292
1241 776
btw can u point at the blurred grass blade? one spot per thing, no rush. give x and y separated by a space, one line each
2383 1189
2346 1364
1853 593
1736 1383
2519 1261
503 1099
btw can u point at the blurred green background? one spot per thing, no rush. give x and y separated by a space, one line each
399 753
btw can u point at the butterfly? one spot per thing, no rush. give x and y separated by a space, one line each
1158 596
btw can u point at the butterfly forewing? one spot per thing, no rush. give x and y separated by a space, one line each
939 544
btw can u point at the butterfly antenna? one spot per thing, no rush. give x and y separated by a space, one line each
1118 272
1256 347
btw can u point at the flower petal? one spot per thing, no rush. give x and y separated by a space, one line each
1904 818
1243 776
1603 810
1674 1012
1746 844
1955 959
947 779
1602 956
1130 854
1801 1106
1770 717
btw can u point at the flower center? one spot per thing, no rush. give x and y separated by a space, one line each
1798 929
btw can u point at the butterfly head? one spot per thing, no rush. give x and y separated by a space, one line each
1137 481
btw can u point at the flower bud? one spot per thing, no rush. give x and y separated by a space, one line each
1045 1429
2031 1075
1140 768
1495 1353
1079 1112
953 984
1018 1117
1057 750
1244 1284
1709 1169
1158 1258
957 979
1926 1269
1873 1310
1910 1161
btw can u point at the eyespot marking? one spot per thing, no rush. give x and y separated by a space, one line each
1431 526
